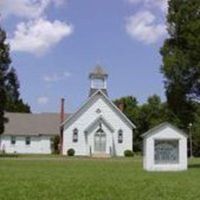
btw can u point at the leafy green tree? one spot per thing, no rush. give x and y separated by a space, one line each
196 133
152 113
131 110
181 58
130 106
12 86
181 70
14 103
144 116
9 85
55 144
4 67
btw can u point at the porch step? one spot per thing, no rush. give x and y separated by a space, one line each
100 155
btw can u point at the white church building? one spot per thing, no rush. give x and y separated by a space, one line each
98 128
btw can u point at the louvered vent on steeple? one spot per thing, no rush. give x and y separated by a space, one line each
98 78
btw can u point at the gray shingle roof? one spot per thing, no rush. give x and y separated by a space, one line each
33 124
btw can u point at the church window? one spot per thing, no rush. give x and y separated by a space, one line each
13 140
166 151
75 135
28 140
98 111
120 136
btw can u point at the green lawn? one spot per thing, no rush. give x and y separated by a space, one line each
62 179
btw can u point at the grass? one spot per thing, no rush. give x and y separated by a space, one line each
58 178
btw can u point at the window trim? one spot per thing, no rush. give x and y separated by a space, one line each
75 136
120 136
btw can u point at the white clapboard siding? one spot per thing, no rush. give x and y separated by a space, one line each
164 131
38 145
87 116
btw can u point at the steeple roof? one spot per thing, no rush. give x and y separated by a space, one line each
98 71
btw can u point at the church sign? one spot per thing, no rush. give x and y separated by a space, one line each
165 149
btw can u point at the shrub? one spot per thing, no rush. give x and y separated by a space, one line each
71 152
128 153
5 155
55 142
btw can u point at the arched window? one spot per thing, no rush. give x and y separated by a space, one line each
75 135
120 136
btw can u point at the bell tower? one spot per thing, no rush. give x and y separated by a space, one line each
98 80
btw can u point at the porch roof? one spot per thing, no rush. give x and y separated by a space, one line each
99 120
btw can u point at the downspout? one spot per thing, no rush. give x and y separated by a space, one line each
62 116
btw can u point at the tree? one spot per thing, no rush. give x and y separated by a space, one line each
14 103
195 129
131 110
144 116
9 85
12 86
130 106
55 144
181 58
152 113
4 67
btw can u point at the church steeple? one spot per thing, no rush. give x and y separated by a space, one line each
98 78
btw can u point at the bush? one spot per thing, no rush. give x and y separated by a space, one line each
55 142
71 152
5 155
128 153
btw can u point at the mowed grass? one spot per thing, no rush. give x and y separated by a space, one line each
112 179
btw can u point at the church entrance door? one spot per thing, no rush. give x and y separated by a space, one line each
100 141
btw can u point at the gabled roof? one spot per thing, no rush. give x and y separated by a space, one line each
99 92
161 127
95 124
93 91
33 124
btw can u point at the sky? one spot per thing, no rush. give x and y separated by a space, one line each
56 43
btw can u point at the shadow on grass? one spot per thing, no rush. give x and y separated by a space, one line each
194 166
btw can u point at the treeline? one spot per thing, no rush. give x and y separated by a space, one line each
10 100
181 70
154 112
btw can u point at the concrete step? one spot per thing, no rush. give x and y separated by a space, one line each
101 155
